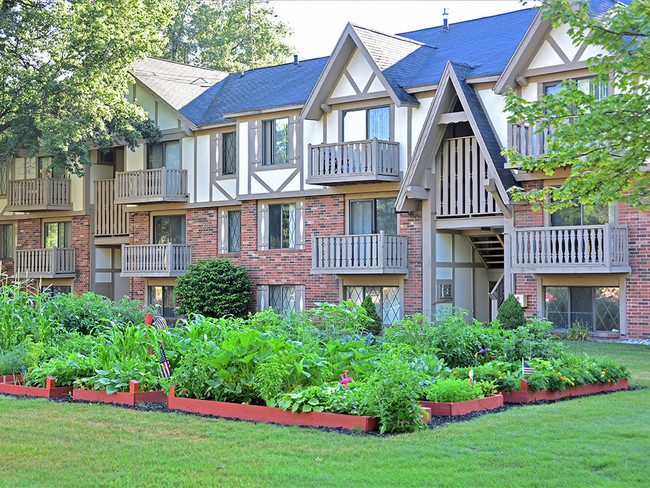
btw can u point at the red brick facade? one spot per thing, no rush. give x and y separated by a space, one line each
411 225
139 234
81 243
201 232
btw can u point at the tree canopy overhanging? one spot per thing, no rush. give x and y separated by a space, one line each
64 69
602 136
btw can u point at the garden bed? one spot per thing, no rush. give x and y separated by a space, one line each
12 379
50 390
274 415
452 409
527 396
133 397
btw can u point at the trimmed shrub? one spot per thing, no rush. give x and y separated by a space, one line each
214 287
510 314
374 327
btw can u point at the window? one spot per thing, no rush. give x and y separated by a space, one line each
44 163
597 307
164 155
282 299
6 241
169 228
229 150
367 124
385 298
275 141
234 231
53 290
282 226
4 171
591 86
373 216
163 300
583 215
58 234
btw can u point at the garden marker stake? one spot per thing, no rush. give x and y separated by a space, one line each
471 377
345 379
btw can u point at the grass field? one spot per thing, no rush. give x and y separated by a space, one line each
602 440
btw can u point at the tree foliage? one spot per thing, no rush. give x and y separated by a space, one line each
217 34
214 287
604 143
510 313
64 68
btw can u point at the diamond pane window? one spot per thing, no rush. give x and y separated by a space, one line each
596 307
229 153
385 298
282 299
607 308
234 231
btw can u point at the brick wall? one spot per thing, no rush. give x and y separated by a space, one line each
201 232
638 282
411 225
139 234
28 234
81 243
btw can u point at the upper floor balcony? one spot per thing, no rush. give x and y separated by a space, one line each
571 249
151 260
111 220
54 262
365 161
359 254
151 185
527 139
39 194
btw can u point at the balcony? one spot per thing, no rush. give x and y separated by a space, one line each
359 254
353 162
111 220
151 260
39 194
55 262
575 249
523 137
150 186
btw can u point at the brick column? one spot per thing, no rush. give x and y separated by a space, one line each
411 225
81 244
139 234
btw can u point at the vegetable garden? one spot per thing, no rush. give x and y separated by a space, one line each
302 363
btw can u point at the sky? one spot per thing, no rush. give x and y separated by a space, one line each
317 24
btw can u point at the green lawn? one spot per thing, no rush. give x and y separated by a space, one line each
596 441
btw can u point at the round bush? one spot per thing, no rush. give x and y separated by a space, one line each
510 314
214 287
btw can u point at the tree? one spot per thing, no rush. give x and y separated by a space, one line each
227 35
510 314
64 68
603 142
214 287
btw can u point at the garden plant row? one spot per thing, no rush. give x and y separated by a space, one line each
316 368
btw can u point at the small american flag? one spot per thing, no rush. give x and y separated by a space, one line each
525 368
165 369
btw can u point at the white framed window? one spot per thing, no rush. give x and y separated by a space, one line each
597 307
164 155
387 300
367 123
234 230
281 225
275 141
283 299
229 153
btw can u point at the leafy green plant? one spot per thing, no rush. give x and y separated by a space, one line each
451 390
214 287
375 325
579 331
510 313
307 400
334 320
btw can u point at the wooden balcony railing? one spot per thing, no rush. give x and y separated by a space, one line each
353 162
526 139
584 249
155 259
54 262
39 194
151 185
111 220
359 254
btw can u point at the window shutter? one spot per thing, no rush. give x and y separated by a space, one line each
262 297
215 155
300 225
223 231
262 226
300 298
295 139
255 142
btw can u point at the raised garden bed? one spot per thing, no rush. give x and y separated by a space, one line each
133 397
50 390
451 409
12 379
270 414
527 396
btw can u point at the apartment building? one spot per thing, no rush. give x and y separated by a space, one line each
375 171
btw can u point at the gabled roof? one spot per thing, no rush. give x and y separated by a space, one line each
258 89
175 83
452 85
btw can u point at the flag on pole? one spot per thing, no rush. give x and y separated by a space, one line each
165 369
525 368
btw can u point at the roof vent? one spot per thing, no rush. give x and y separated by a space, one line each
445 22
295 59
